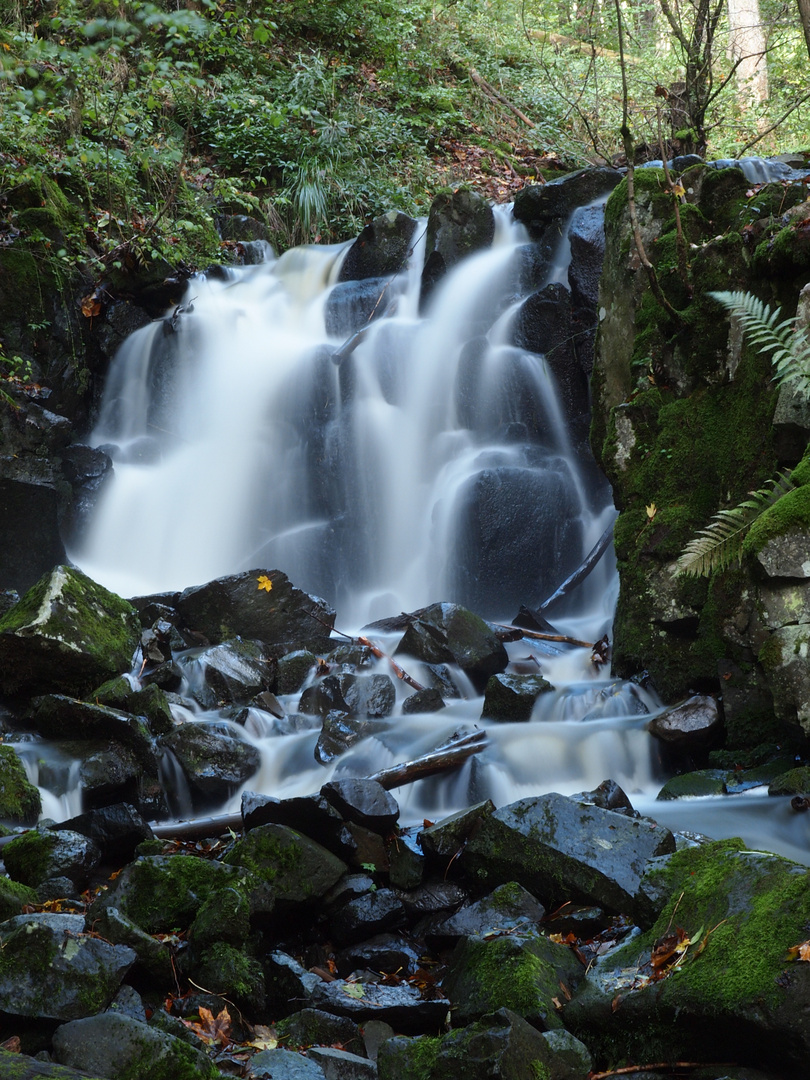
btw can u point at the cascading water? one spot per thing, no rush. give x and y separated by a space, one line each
432 462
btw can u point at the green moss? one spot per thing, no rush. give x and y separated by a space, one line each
791 513
27 857
540 1071
232 972
267 853
13 897
20 802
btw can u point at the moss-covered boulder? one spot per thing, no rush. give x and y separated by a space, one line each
449 633
294 868
459 223
215 762
13 898
20 802
150 701
510 698
68 634
717 977
42 853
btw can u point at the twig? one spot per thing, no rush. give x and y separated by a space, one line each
453 753
490 91
398 671
584 568
548 637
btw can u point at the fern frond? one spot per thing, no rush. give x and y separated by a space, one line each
790 349
720 543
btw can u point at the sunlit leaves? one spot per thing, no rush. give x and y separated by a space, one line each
265 583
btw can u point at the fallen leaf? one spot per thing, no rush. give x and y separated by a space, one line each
354 990
212 1029
13 1045
652 510
800 952
264 1038
265 583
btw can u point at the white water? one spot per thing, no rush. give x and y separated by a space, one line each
239 444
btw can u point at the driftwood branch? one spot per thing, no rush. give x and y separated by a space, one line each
453 753
582 571
398 671
547 637
491 92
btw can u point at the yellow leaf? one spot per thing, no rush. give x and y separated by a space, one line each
652 510
679 190
264 1038
800 952
265 582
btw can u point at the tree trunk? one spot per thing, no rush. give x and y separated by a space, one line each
747 47
804 16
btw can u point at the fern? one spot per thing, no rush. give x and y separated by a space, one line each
721 542
787 343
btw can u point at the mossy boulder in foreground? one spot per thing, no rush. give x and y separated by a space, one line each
66 633
20 802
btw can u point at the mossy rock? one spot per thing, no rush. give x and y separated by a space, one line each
236 975
793 782
150 701
295 869
20 802
694 784
67 633
737 994
13 898
510 698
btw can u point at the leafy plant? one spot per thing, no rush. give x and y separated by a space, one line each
721 542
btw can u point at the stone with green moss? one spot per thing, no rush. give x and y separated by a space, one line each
518 972
20 802
511 698
738 993
223 916
694 784
150 702
793 782
22 1067
295 869
236 975
13 898
68 634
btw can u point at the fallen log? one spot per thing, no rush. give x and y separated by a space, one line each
582 571
496 95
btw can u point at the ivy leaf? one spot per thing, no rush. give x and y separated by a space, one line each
265 583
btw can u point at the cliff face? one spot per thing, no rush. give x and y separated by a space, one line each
687 421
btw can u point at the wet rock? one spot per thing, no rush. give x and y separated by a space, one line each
374 913
342 1065
115 1045
294 669
154 957
401 1006
150 702
311 1027
59 716
793 782
381 249
587 238
435 898
506 908
561 850
235 606
13 897
502 1044
237 975
353 304
693 725
522 973
51 968
112 773
231 673
294 868
423 701
289 985
87 469
67 633
693 784
459 223
381 953
30 535
284 1065
406 864
20 802
449 633
357 695
365 802
744 999
539 206
313 815
447 837
511 698
609 796
215 762
340 732
44 853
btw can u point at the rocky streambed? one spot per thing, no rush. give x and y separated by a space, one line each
318 936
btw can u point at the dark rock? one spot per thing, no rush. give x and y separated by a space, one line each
406 865
353 304
115 1045
383 953
66 633
238 976
290 986
154 956
587 239
311 1027
284 1065
365 802
52 968
560 850
423 701
150 702
522 973
30 534
793 782
339 732
693 725
511 698
459 223
342 1065
691 784
312 815
357 695
381 249
438 897
231 673
374 913
294 669
87 470
609 796
446 838
401 1006
539 206
294 868
59 716
236 607
215 762
449 633
503 910
43 853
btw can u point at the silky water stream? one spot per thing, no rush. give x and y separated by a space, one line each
434 462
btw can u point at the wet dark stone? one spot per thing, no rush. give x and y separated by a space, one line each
609 796
401 1006
449 633
312 814
117 829
693 725
373 913
381 249
511 698
447 837
214 762
352 304
365 802
505 908
540 206
423 701
311 1027
385 953
356 695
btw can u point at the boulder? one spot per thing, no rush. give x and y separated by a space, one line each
240 606
50 968
149 702
284 1065
540 206
231 673
510 698
381 249
561 850
507 908
353 304
693 725
294 869
67 633
401 1006
311 1027
341 1065
44 853
449 633
459 223
20 802
363 801
356 695
215 762
374 913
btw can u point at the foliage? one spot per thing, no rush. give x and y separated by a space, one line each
721 542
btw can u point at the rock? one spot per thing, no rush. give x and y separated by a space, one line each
116 829
353 304
42 853
785 662
449 633
381 249
289 984
13 898
231 673
423 701
539 205
693 725
66 633
793 782
341 1065
150 702
87 469
235 606
511 698
371 914
365 802
609 796
294 869
339 732
154 956
215 763
523 973
447 837
357 695
113 1045
237 975
744 999
587 238
560 850
459 223
506 908
693 784
294 669
30 536
49 967
284 1065
59 716
502 1044
385 953
401 1006
20 802
313 815
311 1027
